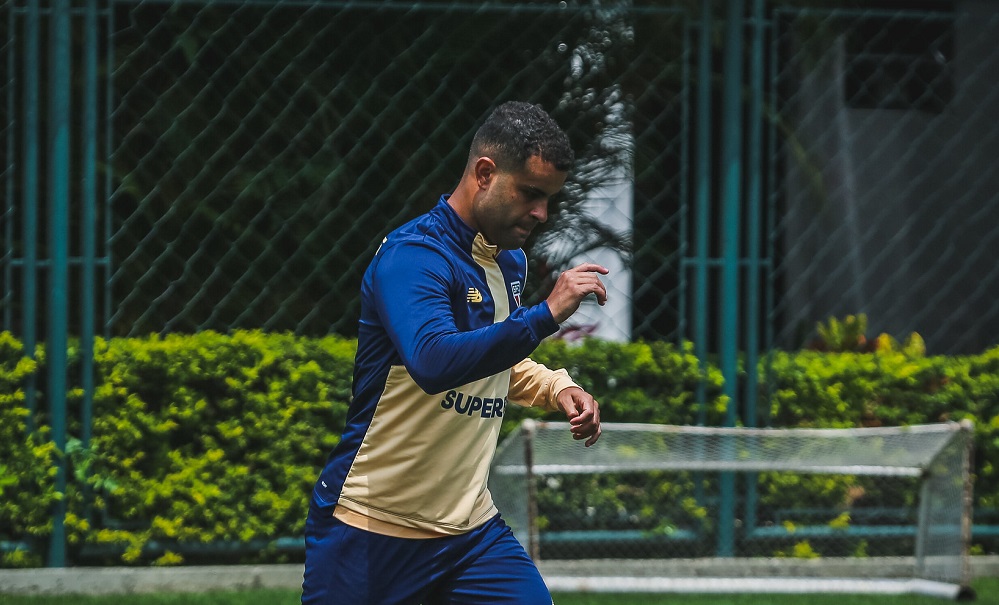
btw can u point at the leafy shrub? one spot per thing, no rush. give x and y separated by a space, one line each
211 438
850 335
813 389
27 486
640 382
652 382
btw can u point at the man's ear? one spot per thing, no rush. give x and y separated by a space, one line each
485 172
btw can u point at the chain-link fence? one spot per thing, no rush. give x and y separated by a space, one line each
261 152
884 200
254 154
235 164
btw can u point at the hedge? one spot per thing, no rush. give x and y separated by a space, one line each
27 475
217 438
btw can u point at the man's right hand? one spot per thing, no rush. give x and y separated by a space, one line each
573 286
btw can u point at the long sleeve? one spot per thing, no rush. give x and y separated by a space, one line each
414 291
535 385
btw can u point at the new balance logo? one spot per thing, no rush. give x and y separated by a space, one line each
474 296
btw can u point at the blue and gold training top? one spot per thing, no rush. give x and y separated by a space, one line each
442 349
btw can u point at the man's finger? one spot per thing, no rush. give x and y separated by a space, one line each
591 268
601 293
591 284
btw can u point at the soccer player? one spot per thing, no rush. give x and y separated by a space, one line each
401 513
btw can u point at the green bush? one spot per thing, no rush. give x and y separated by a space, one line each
215 438
812 389
638 382
27 486
211 438
652 382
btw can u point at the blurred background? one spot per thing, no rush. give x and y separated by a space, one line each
220 165
747 169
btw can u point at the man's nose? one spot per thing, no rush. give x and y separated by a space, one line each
540 211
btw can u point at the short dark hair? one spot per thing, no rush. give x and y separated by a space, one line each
515 131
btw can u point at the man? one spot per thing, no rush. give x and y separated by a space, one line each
401 513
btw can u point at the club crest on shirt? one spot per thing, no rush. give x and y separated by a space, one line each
515 290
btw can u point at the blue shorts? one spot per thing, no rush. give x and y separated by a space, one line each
349 566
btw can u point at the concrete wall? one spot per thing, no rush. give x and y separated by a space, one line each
895 212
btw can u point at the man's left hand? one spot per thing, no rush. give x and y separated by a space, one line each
583 412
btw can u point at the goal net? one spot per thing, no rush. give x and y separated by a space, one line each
659 508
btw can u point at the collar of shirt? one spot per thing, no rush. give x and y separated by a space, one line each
466 237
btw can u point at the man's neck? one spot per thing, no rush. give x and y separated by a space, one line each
461 201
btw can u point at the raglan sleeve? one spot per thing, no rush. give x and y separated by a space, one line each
414 286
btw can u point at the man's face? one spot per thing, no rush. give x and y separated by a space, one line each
514 202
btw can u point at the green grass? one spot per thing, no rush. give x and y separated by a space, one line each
987 589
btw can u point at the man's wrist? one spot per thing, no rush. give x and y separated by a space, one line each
560 382
541 322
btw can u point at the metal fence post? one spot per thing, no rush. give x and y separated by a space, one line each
754 219
731 200
967 501
533 536
58 252
703 200
88 222
30 200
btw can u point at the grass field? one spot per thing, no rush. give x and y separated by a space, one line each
987 589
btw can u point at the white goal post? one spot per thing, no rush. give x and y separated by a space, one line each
654 508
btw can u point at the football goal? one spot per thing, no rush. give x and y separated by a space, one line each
658 508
